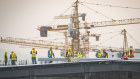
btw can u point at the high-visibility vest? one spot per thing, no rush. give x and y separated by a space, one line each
79 55
51 53
125 55
131 54
104 54
5 58
99 55
69 53
33 53
14 56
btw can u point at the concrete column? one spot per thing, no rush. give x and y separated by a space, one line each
86 76
32 77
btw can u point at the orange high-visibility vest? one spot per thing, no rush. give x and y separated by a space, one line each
69 53
33 53
106 56
131 54
99 55
125 55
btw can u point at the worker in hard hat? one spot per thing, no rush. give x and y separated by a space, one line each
13 58
105 54
125 54
5 58
69 54
33 52
131 54
79 54
99 54
51 53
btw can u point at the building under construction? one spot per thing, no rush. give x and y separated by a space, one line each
84 68
110 69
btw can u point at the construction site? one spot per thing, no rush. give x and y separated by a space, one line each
88 40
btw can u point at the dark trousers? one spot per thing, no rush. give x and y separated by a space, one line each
34 60
69 59
5 62
50 61
13 62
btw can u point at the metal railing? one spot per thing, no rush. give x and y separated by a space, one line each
73 60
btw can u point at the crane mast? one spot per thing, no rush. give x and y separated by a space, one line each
75 41
75 38
125 43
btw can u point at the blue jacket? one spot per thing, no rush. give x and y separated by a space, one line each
49 56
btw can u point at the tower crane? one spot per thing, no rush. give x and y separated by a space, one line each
77 26
76 43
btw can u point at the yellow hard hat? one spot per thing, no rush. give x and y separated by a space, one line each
5 51
33 48
131 48
126 49
12 51
99 49
51 47
69 48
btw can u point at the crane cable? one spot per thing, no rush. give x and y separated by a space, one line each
109 32
97 12
107 39
52 22
111 5
133 39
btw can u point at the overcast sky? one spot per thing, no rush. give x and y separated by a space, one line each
20 18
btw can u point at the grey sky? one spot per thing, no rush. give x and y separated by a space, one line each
20 18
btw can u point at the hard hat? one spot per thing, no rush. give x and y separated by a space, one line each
99 49
104 50
12 52
69 48
131 48
51 47
126 49
5 51
33 48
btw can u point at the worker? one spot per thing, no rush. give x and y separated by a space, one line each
79 54
125 54
5 58
105 54
69 54
131 54
51 53
33 52
13 58
98 54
